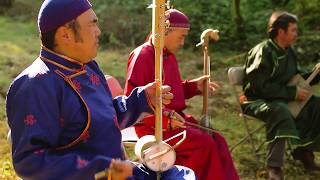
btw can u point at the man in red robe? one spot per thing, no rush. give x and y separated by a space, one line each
208 156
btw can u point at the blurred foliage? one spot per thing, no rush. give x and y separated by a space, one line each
123 22
21 10
128 22
6 3
242 23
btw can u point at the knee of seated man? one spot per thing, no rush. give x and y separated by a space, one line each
280 109
315 100
198 135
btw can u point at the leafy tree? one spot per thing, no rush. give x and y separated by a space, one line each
242 23
6 3
124 23
240 29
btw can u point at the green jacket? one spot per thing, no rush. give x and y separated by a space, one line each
268 70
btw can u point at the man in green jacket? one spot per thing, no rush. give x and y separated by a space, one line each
269 67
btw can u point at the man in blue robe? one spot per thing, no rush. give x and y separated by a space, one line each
64 122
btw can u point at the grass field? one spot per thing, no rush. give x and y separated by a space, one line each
19 46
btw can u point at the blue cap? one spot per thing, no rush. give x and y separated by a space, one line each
55 13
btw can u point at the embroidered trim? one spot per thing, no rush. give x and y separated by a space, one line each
77 74
64 57
85 132
60 65
178 26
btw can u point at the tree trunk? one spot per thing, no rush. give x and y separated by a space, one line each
6 3
240 27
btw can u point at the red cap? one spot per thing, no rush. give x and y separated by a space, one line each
177 19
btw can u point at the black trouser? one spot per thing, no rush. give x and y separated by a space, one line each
276 150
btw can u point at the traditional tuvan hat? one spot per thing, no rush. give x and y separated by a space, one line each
55 13
177 19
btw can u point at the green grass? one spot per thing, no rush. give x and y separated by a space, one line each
114 62
19 46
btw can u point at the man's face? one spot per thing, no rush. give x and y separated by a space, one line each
174 40
290 36
86 45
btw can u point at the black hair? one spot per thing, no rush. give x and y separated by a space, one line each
280 20
48 38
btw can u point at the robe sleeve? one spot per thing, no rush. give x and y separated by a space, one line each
129 108
33 114
259 71
140 69
190 89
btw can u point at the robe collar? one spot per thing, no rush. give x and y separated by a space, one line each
59 60
280 51
165 52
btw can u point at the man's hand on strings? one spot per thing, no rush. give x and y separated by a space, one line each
213 86
151 93
175 120
302 94
120 170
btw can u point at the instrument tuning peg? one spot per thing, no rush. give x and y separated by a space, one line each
168 4
151 6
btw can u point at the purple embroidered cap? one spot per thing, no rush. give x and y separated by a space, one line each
177 19
55 13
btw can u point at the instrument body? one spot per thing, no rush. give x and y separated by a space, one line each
158 156
295 107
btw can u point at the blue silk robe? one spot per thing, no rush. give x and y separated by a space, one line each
64 122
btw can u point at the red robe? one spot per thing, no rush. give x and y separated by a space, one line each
208 156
